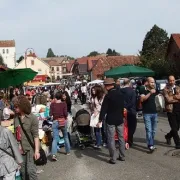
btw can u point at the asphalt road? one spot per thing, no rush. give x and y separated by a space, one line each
91 164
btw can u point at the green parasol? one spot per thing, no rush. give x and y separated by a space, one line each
129 71
15 77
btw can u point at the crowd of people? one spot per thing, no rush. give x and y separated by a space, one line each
108 103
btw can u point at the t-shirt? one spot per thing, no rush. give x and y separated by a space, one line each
149 106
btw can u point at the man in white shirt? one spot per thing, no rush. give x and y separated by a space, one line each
84 93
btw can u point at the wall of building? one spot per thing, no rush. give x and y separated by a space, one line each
9 56
59 71
35 64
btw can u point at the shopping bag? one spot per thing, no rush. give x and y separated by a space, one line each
94 121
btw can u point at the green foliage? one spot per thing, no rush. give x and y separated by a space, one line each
20 59
109 52
50 53
113 52
154 51
93 53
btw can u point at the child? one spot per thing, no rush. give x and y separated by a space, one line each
75 96
7 112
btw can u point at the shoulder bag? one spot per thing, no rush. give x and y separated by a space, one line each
42 159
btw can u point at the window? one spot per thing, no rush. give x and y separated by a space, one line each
3 51
57 68
7 51
32 62
52 68
64 69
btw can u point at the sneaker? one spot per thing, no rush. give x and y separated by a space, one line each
99 147
54 158
177 146
112 162
168 140
67 154
95 146
122 158
104 145
151 148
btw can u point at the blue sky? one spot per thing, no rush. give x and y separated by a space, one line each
77 27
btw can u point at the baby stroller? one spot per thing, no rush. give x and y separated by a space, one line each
82 129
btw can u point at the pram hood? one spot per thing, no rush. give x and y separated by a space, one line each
82 118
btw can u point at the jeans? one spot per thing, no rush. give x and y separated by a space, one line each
55 128
111 141
150 121
98 136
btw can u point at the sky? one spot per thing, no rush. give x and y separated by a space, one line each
77 27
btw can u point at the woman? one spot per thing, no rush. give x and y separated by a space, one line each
97 96
66 98
10 157
58 110
26 124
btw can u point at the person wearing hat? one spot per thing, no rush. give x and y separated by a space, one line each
113 109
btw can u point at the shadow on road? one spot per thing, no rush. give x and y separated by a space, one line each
90 152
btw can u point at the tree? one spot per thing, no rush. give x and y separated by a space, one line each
20 59
154 51
93 53
50 53
1 60
109 52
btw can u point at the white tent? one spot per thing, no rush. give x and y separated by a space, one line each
78 82
97 81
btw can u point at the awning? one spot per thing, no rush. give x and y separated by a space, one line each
40 78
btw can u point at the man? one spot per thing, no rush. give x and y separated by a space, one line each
118 83
130 105
84 93
149 112
30 124
10 157
172 99
113 108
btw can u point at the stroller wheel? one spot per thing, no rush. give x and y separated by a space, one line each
82 147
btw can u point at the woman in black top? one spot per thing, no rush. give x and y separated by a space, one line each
66 98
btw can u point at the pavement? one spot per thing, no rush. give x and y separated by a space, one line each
91 164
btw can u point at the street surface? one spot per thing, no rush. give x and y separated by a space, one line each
91 164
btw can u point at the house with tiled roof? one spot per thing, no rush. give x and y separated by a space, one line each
173 53
8 52
106 63
36 64
58 66
94 67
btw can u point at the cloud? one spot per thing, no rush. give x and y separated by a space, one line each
78 27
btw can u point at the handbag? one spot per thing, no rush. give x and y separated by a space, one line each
62 122
42 159
94 121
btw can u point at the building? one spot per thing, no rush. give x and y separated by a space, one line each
108 62
8 52
94 67
36 64
58 67
173 54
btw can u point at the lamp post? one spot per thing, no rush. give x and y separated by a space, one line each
26 55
